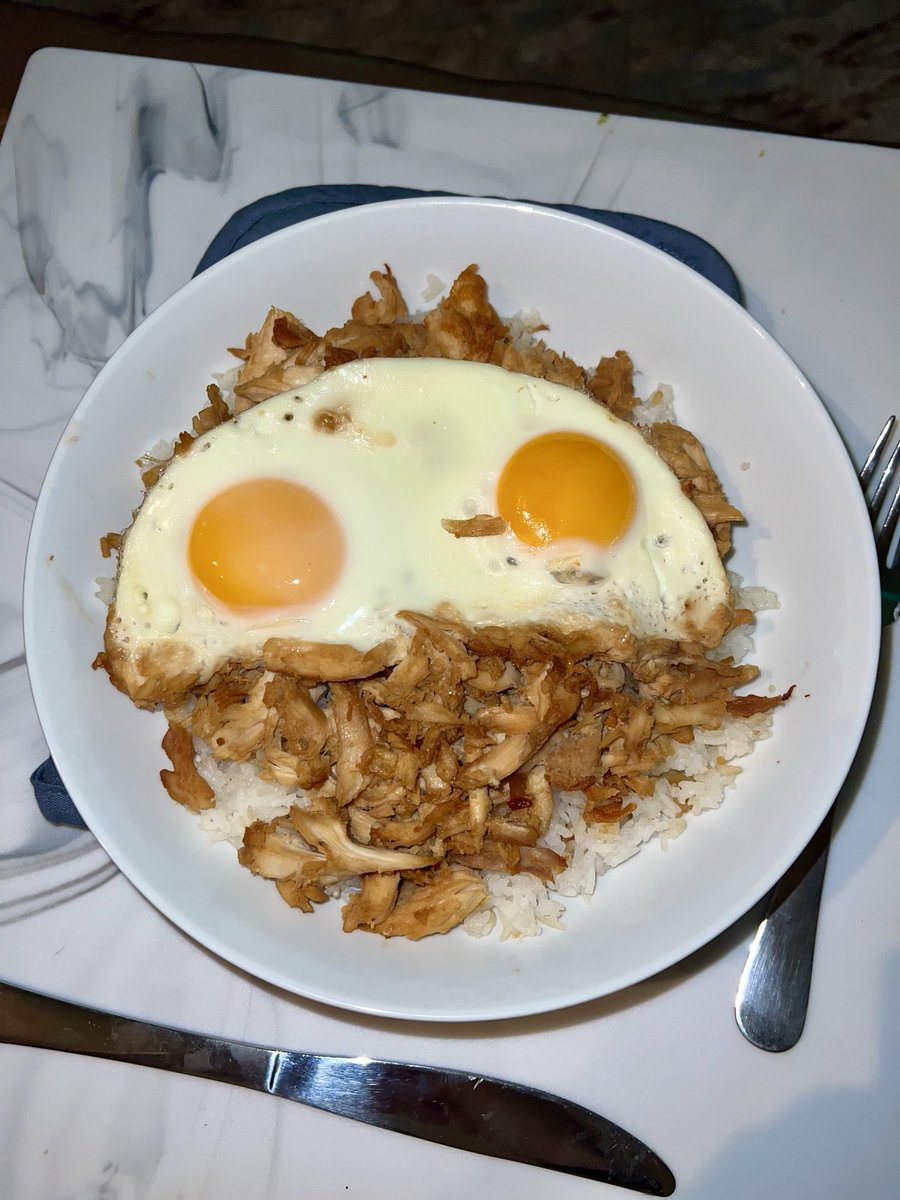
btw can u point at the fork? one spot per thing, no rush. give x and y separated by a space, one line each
773 993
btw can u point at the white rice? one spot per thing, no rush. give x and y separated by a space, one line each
434 285
659 406
520 906
523 327
241 798
106 589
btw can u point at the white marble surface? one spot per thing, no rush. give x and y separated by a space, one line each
115 173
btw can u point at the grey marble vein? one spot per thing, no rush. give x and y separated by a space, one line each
24 499
181 129
43 901
370 114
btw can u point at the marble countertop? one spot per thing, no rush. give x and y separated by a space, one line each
115 173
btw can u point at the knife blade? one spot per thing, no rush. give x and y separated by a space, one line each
464 1110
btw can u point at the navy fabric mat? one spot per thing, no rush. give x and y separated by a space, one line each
272 213
53 800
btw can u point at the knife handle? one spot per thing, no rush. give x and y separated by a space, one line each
773 994
33 1019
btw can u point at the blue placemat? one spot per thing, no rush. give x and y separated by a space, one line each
272 213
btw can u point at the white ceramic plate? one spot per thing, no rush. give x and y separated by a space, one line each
768 436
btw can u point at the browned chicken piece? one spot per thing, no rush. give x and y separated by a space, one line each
357 339
464 831
327 832
300 895
372 904
110 543
281 378
353 741
262 350
276 851
163 674
389 308
184 783
233 717
215 413
553 700
612 384
395 689
465 324
318 662
511 859
539 361
313 847
682 671
572 761
416 830
606 806
686 458
290 334
295 771
749 706
494 675
302 725
524 644
708 714
523 815
296 756
438 906
482 525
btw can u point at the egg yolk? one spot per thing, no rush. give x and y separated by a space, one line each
566 485
266 543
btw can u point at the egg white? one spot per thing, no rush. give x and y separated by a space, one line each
426 440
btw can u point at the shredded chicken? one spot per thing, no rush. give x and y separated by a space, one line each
215 413
613 384
482 525
464 324
184 783
109 543
445 763
232 716
435 906
372 904
315 662
687 459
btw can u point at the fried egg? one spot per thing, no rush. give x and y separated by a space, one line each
319 514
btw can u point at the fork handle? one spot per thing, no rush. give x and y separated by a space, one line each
772 997
890 606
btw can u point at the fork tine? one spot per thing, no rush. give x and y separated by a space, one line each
888 476
865 475
888 529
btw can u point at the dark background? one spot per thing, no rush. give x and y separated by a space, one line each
791 66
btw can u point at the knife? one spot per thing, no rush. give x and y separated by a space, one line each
455 1108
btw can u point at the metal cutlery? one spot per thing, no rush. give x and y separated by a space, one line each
455 1108
773 993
